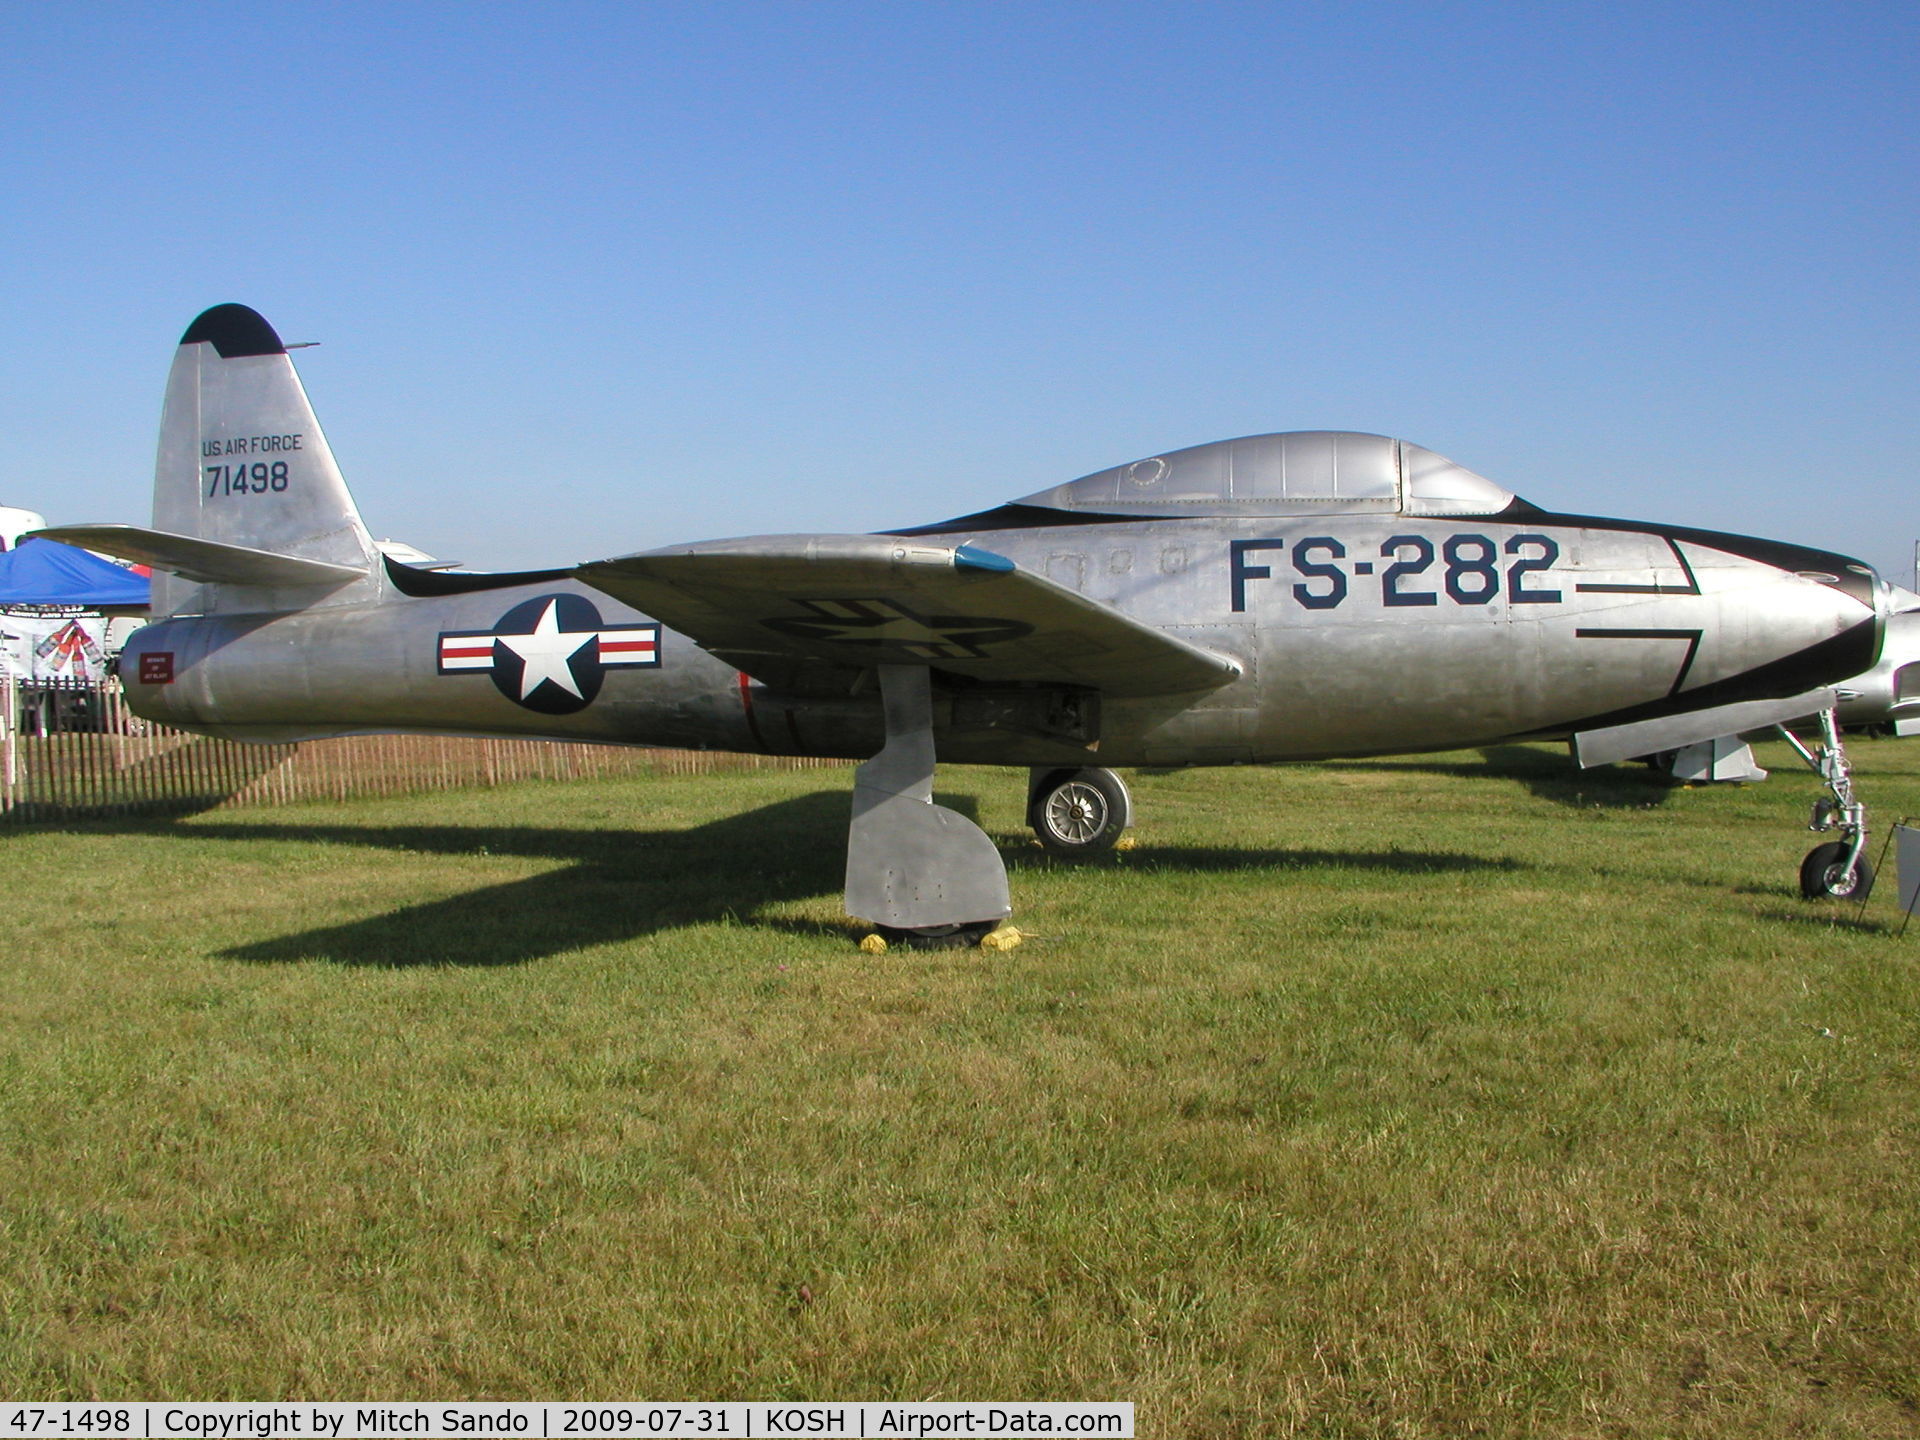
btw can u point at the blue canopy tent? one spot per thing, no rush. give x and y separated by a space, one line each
55 647
44 572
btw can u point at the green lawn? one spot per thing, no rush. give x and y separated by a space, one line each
1435 1096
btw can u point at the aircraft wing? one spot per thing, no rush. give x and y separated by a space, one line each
766 603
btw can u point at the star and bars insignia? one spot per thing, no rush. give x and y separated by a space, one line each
550 654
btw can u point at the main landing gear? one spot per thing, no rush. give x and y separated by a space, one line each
1078 813
1835 869
923 875
928 878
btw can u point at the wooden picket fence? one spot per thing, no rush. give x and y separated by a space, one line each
75 751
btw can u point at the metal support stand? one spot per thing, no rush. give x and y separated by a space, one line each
914 866
1726 758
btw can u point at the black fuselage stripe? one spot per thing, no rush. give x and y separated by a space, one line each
1692 587
430 584
1848 653
1692 637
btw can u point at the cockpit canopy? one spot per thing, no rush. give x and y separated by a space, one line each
1301 472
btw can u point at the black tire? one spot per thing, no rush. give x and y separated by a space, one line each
1080 813
1823 875
938 937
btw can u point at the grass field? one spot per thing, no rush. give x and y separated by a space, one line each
1429 1097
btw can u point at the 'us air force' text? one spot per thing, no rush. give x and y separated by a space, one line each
262 477
250 445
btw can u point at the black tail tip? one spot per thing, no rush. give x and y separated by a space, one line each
234 330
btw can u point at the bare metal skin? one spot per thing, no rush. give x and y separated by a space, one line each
1278 597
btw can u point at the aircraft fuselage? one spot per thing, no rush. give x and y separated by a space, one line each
1352 633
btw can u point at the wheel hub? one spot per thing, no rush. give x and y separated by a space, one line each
1076 813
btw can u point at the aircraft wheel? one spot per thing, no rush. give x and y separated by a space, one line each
937 937
1825 875
1080 813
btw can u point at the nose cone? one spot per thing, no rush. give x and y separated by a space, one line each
1774 619
1860 602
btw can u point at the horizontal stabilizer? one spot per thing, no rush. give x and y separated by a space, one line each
1671 732
766 602
211 562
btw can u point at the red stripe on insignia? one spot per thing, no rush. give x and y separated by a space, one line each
449 651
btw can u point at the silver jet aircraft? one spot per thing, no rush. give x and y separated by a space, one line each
1279 597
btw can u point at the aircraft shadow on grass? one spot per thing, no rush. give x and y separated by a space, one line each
618 885
1546 775
1198 859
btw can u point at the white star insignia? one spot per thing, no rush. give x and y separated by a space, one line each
546 653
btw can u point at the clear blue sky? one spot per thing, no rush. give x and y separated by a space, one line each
594 278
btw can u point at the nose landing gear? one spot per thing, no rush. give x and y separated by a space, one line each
1826 874
1836 869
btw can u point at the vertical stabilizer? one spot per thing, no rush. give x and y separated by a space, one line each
243 462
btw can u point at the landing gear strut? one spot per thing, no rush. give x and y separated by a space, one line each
923 874
1836 869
